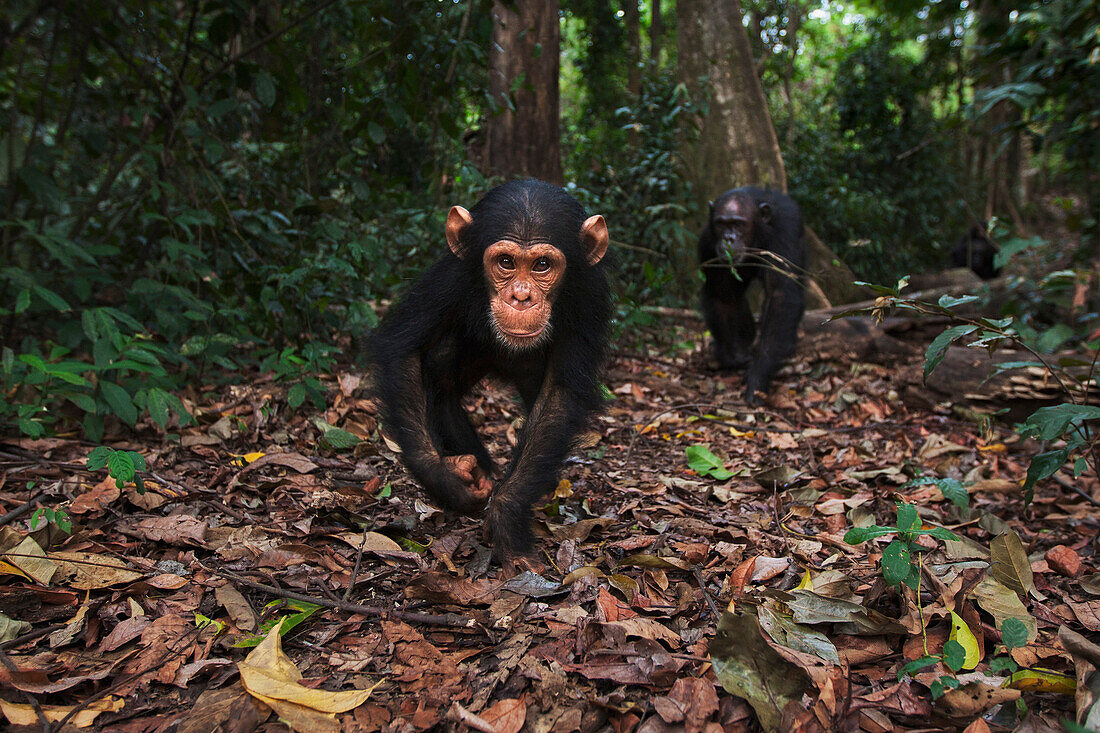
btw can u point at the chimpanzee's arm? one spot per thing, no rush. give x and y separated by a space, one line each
406 418
568 395
784 303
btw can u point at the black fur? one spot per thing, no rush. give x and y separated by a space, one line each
976 251
437 343
776 228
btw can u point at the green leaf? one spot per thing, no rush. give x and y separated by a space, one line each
119 401
263 86
1050 423
940 533
121 467
954 655
1003 664
938 348
97 459
858 535
908 519
705 463
1043 465
918 664
296 395
949 301
896 564
1013 633
376 133
942 685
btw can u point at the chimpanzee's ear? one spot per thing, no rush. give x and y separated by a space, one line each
457 221
765 213
595 238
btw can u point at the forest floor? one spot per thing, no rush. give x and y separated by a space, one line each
142 619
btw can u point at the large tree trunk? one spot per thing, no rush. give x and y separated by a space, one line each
737 145
632 25
523 138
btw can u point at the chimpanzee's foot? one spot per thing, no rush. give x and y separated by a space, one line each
478 485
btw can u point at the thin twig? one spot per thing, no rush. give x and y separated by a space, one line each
358 560
451 620
703 587
1067 485
21 509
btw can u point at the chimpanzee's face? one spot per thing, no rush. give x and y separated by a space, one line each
732 221
524 274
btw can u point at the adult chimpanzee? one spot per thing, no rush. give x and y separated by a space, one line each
976 251
753 230
521 295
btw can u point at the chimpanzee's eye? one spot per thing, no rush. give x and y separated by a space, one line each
541 265
506 262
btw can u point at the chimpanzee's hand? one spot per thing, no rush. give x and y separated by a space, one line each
478 485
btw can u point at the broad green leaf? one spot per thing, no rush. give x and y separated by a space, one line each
121 467
908 519
954 655
918 664
962 634
1043 465
896 564
950 301
858 535
938 348
296 395
1050 423
940 533
263 86
1013 633
940 687
97 459
705 463
119 401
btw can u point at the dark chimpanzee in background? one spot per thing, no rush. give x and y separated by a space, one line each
753 231
976 251
521 295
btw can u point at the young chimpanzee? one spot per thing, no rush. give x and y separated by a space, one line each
521 295
750 231
976 251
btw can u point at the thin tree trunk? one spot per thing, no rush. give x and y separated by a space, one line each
632 23
524 136
656 31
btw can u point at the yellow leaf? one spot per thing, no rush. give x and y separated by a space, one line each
564 489
18 714
961 633
245 459
993 448
739 434
807 583
268 674
1042 680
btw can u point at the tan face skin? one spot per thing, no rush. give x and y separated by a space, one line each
524 277
523 281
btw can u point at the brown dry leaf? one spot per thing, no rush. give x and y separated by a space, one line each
977 726
237 606
19 714
973 699
96 498
645 628
178 529
769 567
691 701
89 571
1088 613
30 559
295 461
440 587
1009 563
369 541
269 675
214 709
506 716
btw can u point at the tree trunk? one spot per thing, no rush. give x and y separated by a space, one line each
737 145
523 138
656 31
632 23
